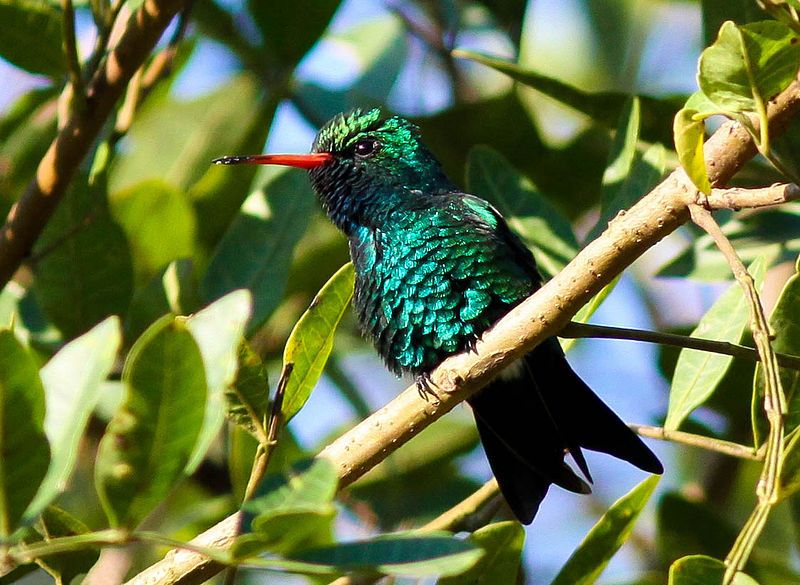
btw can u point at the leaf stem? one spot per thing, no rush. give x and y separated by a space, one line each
774 400
28 553
71 53
707 443
576 330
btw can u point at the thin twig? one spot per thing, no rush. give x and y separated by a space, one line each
774 400
575 330
707 443
739 198
71 54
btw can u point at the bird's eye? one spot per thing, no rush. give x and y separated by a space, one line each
366 148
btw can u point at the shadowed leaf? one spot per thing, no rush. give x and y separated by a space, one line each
23 444
152 435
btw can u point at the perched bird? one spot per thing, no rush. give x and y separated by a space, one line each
436 267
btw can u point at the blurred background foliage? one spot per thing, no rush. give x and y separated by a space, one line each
149 227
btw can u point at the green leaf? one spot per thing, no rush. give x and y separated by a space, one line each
148 211
628 175
23 444
530 215
72 384
604 539
784 323
309 486
248 396
151 437
218 330
295 513
311 340
287 531
173 141
502 545
257 249
623 151
172 290
83 270
702 570
689 137
32 36
64 567
747 65
289 34
698 373
408 554
604 107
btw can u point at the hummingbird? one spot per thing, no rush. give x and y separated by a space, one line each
436 267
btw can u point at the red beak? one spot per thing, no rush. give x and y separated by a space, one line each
301 161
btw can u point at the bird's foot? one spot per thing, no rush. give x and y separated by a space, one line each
472 344
425 387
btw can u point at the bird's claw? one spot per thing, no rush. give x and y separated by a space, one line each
425 387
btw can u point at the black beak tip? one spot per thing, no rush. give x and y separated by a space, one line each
227 160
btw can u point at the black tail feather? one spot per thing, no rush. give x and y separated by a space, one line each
531 417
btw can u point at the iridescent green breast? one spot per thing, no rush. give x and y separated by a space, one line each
430 280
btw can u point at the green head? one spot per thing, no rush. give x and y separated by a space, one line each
364 165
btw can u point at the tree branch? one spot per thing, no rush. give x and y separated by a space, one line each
30 214
542 315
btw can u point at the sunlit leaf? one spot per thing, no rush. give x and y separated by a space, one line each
588 310
151 437
748 64
702 570
698 373
689 138
502 545
311 340
542 227
256 251
218 330
604 539
72 384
